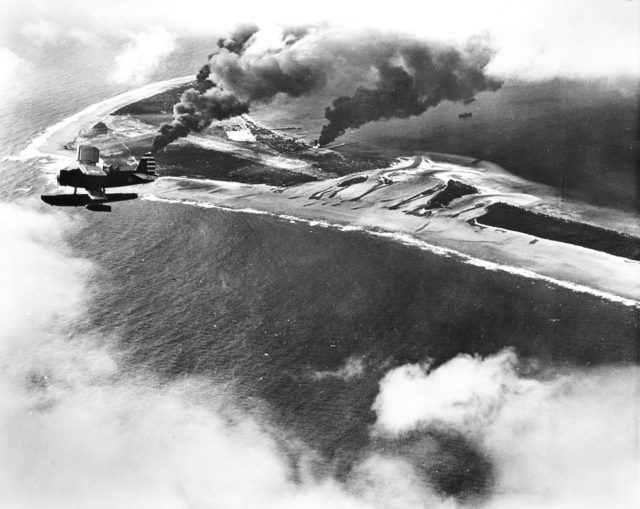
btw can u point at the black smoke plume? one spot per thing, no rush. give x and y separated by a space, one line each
235 43
397 77
203 83
257 71
197 109
246 77
422 78
206 102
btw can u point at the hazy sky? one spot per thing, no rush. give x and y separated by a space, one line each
534 40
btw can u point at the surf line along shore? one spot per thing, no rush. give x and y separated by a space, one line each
434 202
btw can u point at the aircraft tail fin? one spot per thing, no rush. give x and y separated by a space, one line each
147 164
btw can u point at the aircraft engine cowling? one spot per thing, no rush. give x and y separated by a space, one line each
63 177
69 178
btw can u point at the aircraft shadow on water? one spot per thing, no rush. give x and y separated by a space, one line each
92 175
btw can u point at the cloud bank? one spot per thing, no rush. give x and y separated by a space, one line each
534 40
563 440
143 55
10 65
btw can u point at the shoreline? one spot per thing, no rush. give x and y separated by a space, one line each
449 231
52 140
395 202
411 241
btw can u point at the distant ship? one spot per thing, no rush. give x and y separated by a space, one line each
465 115
469 101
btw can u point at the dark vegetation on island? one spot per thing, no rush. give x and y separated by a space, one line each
329 161
161 103
353 180
451 191
194 161
510 217
211 164
99 129
342 163
443 195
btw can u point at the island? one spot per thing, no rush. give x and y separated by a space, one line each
452 205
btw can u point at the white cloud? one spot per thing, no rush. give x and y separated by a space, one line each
10 65
566 441
535 40
143 54
462 393
43 32
84 36
574 39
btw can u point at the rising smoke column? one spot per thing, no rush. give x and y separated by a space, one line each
198 107
395 77
207 101
423 77
247 75
271 62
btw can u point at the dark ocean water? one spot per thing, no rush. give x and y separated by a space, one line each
266 305
276 311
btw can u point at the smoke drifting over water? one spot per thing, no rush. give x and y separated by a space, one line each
393 76
424 77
